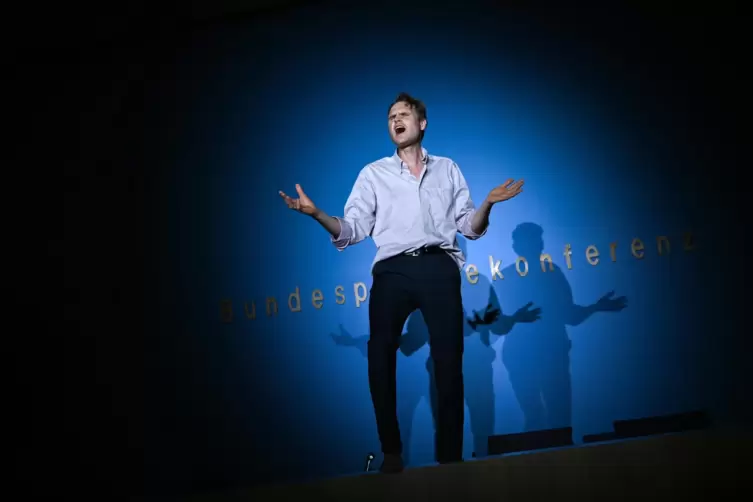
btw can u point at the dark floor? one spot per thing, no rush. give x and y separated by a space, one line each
704 463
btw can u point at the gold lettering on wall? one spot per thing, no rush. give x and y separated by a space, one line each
568 256
358 286
252 313
271 306
662 239
636 248
295 296
471 273
495 268
592 255
544 258
688 242
339 295
317 297
226 311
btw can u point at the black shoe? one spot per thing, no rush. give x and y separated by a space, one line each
392 463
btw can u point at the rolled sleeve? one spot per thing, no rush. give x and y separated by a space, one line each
359 216
346 232
466 227
465 209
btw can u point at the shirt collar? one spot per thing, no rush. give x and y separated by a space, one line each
400 164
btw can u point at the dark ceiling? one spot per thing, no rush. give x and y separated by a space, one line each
79 25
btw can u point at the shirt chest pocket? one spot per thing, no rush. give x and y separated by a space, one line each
440 205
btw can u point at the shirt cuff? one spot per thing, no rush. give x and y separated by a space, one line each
343 240
467 228
470 234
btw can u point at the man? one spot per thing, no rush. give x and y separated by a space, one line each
412 204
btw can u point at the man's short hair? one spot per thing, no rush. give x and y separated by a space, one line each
414 103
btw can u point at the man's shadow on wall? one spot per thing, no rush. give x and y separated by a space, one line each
537 356
478 358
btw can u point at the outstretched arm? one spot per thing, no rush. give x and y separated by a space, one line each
472 222
330 224
503 324
480 221
506 191
344 339
357 221
493 322
359 215
304 205
607 303
580 313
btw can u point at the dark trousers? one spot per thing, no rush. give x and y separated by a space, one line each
431 283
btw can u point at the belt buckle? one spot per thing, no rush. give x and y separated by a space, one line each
413 253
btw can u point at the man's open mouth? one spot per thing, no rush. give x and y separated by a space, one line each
400 129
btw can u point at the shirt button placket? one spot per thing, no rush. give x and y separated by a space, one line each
424 211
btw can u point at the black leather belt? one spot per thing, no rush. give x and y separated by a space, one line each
425 250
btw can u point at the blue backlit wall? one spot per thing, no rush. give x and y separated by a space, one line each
255 108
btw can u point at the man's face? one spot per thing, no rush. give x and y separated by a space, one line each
404 126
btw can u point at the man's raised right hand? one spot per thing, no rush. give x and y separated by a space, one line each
302 204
